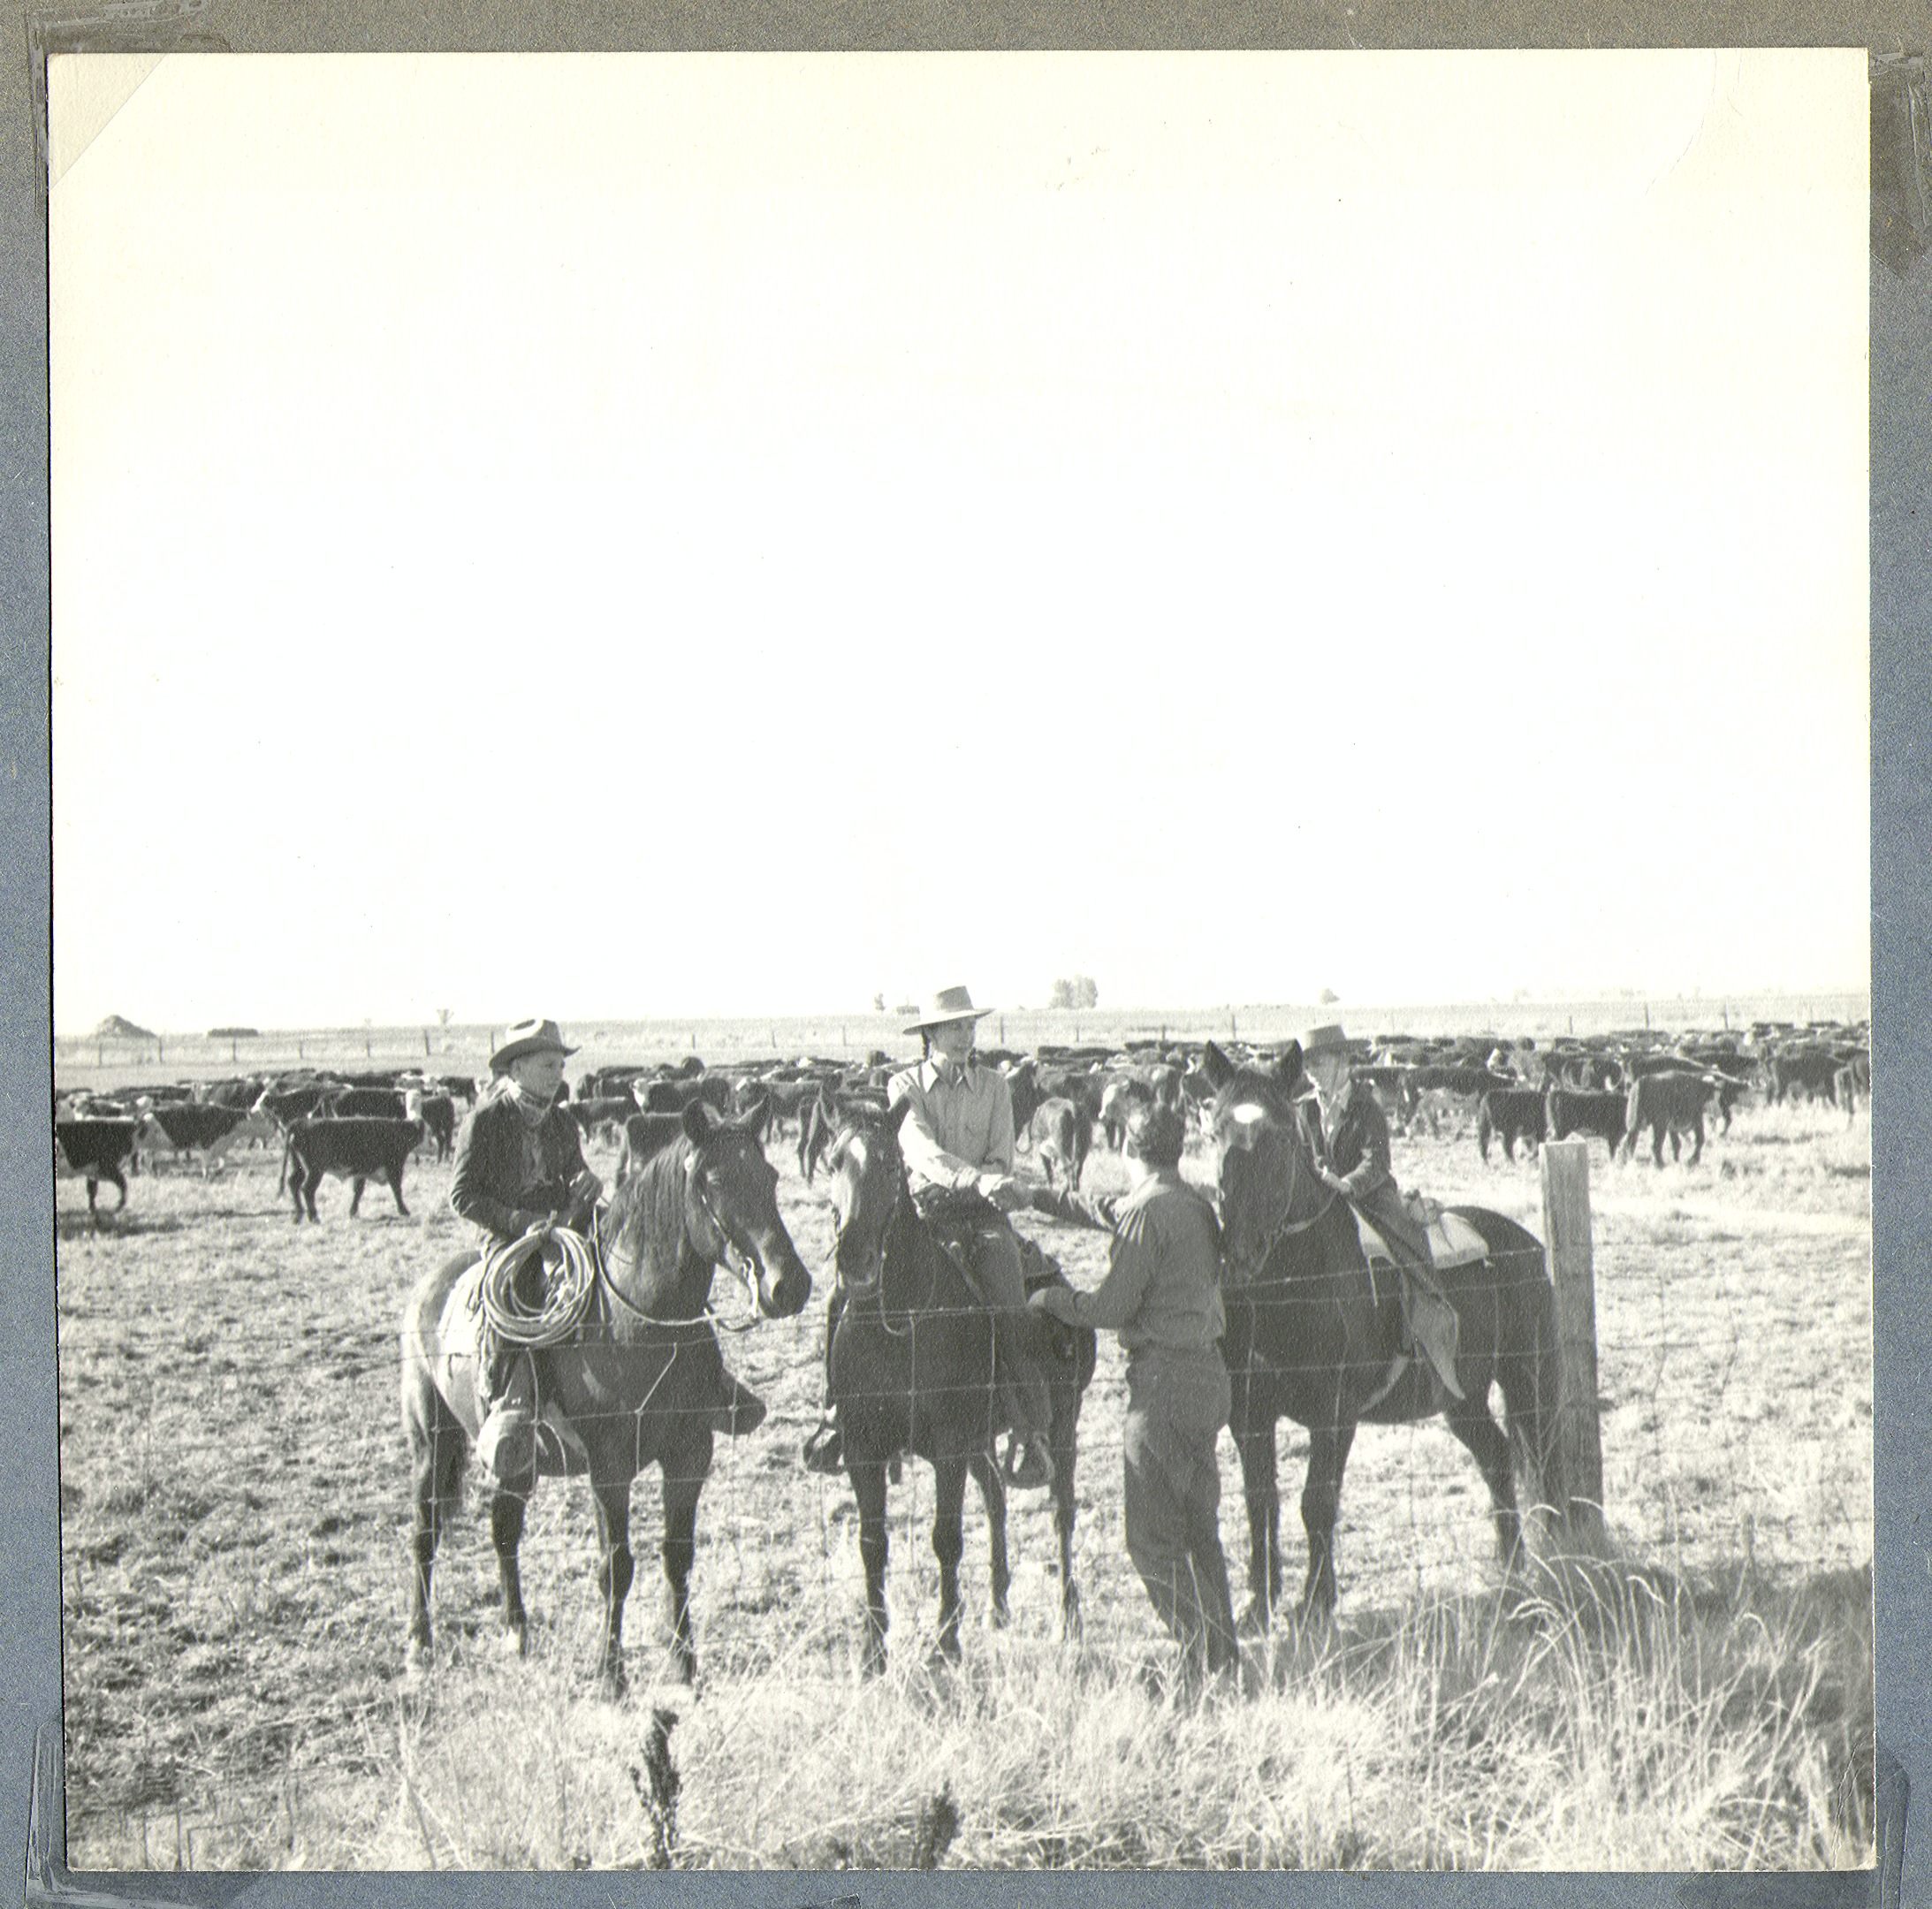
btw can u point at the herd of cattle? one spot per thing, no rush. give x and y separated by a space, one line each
365 1127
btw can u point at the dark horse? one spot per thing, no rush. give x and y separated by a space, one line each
1312 1336
911 1369
636 1381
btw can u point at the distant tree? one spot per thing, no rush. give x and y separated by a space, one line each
443 1016
1074 990
1328 996
879 1003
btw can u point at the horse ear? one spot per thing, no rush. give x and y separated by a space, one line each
758 1118
1217 1067
1287 1068
697 1122
896 1119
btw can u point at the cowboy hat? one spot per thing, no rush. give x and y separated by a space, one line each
1328 1039
528 1038
949 1004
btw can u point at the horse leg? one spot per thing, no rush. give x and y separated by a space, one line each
868 1475
438 1447
1469 1420
1262 1491
1697 1127
355 1198
395 1187
506 1534
948 1541
684 1478
1321 1495
993 1495
615 1568
1066 1454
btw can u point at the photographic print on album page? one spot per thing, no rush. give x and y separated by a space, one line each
1198 562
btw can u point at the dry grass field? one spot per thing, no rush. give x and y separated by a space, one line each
233 1488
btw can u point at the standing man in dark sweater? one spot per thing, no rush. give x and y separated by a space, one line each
1162 1295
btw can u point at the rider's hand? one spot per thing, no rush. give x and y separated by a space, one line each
525 1218
1007 1193
585 1187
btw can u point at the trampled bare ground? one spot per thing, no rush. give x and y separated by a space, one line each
234 1489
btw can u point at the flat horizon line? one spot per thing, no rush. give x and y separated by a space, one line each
1341 1007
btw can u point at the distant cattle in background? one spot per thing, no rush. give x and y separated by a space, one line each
1509 1115
359 1150
1808 1073
1577 1110
189 1127
1670 1104
95 1150
1062 1132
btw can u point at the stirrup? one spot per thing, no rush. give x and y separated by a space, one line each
825 1450
1028 1465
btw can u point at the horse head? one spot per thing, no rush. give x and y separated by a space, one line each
731 1209
1265 1175
867 1174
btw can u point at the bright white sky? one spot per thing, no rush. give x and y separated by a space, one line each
644 534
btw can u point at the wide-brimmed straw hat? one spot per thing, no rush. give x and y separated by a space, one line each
528 1038
1327 1039
949 1004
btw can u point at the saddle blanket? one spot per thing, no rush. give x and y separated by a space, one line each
1452 1241
458 1330
459 1353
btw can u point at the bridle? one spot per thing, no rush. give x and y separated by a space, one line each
1300 1163
834 1160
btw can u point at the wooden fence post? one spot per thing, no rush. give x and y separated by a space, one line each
1566 1230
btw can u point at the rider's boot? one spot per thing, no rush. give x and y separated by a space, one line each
507 1440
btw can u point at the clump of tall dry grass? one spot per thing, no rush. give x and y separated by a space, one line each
1593 1716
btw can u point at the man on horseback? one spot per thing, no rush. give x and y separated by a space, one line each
518 1164
1347 1135
957 1140
1162 1295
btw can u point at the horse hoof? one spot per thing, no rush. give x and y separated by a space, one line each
998 1615
516 1641
1254 1621
1072 1624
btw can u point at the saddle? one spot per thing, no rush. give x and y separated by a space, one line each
1451 1240
464 1343
956 1216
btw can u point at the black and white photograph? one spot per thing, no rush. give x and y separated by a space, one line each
964 961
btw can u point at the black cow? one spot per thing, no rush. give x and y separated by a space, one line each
359 1149
1668 1103
1510 1114
1062 1131
96 1149
366 1103
1812 1072
189 1126
1574 1110
607 1113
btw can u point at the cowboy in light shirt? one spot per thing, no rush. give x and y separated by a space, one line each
958 1137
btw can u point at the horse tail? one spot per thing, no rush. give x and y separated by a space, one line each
1532 1396
1485 1128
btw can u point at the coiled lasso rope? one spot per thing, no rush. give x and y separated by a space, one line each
566 1296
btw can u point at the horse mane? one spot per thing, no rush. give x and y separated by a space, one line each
645 1218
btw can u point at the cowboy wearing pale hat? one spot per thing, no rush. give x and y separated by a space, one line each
520 1163
1352 1158
958 1136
